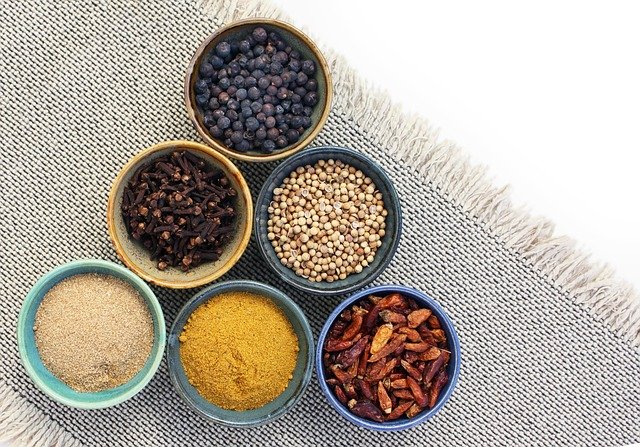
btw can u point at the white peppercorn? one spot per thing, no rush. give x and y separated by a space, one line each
326 221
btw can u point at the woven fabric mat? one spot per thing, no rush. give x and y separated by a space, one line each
87 84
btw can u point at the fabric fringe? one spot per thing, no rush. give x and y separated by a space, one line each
22 424
443 164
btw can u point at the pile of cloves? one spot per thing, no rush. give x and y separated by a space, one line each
386 357
181 209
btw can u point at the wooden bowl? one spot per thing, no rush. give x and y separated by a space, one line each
298 41
138 258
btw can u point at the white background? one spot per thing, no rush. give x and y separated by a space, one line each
547 94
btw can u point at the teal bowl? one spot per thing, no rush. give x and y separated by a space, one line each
281 404
54 387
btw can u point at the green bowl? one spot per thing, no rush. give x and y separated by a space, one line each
270 411
54 387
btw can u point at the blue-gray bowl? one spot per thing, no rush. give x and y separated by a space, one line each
453 369
50 384
274 409
390 240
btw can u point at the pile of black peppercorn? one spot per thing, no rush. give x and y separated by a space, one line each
256 94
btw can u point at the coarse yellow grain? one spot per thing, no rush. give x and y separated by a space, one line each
239 350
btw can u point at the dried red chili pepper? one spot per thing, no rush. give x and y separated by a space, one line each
349 356
383 399
393 344
434 391
368 410
418 394
399 410
417 317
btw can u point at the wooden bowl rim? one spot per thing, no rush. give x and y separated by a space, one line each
229 168
325 70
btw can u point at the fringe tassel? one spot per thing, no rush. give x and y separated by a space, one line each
22 424
442 163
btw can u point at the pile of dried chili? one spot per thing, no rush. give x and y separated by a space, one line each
386 357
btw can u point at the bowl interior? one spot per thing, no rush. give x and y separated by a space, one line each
138 258
275 408
390 240
49 383
453 368
298 41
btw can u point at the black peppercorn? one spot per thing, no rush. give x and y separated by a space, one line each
223 49
224 83
259 34
201 86
308 67
263 83
250 81
206 70
253 93
223 97
202 100
268 146
310 99
245 46
216 62
302 79
252 124
281 141
270 122
223 122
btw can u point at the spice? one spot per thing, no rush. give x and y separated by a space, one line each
180 209
326 221
239 350
94 332
386 357
257 92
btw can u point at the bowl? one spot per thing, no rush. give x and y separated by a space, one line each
272 410
54 387
390 240
453 369
137 257
298 41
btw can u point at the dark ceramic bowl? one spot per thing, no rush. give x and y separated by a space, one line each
453 369
272 410
390 240
298 41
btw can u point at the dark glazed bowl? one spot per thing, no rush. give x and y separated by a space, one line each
390 240
298 41
453 369
272 410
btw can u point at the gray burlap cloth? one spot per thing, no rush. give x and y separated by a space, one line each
547 358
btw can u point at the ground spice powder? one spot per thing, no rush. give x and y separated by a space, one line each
239 350
94 332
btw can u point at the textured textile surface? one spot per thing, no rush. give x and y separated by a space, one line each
84 85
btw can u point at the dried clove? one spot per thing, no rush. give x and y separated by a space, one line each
180 209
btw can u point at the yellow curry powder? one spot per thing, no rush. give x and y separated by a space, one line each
239 350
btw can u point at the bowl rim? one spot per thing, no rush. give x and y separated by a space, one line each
112 208
154 308
316 288
254 157
448 326
213 290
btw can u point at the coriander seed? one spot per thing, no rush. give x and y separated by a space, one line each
326 221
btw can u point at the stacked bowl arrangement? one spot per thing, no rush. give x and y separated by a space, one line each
180 214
